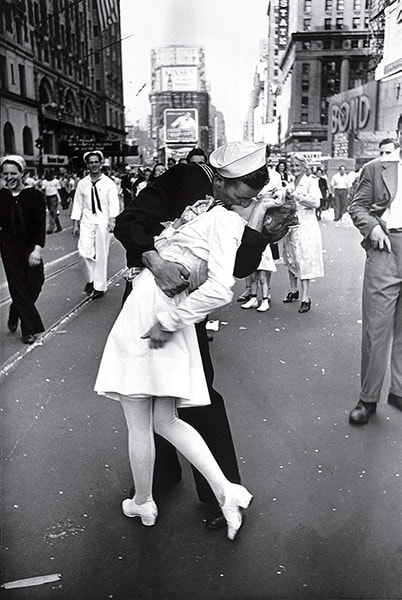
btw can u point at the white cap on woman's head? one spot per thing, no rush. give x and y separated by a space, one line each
237 159
15 158
97 153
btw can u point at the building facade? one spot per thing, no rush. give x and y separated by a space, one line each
180 102
60 80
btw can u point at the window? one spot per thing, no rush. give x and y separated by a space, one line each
306 24
340 5
355 44
23 85
9 139
355 22
339 23
3 73
304 117
305 85
304 102
307 6
8 17
306 45
98 85
306 70
328 5
12 74
357 4
327 23
27 142
327 44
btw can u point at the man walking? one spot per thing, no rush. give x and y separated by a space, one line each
340 189
376 211
95 208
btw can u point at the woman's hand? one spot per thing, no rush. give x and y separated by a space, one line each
157 336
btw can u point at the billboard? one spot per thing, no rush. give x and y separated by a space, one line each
179 79
181 125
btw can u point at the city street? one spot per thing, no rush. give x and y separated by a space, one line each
326 521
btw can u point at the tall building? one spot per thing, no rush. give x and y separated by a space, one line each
180 102
321 48
60 79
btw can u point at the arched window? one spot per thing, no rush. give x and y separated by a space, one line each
45 91
27 141
9 139
89 111
70 103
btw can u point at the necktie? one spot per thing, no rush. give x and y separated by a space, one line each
94 194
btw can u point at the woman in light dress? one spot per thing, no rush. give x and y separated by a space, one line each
302 247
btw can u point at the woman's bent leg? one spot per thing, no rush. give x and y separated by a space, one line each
189 442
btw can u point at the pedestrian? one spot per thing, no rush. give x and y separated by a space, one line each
22 237
262 276
152 363
302 248
387 145
196 155
323 185
136 227
95 207
282 169
376 210
51 188
340 190
126 186
147 176
157 170
274 195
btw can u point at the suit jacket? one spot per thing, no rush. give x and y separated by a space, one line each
375 191
165 199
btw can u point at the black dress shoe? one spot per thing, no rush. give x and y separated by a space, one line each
395 401
216 521
97 294
28 339
12 325
291 296
362 412
89 287
305 306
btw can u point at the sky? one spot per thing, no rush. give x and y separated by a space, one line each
229 30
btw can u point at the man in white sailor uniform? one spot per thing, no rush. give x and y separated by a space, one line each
95 208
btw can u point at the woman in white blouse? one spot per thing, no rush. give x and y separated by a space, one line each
302 248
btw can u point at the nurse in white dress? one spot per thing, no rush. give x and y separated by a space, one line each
151 362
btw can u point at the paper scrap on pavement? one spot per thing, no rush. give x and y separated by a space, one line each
212 325
30 581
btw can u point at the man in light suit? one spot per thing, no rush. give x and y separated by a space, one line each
376 210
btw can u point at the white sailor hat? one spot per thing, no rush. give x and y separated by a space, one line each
93 153
14 158
237 159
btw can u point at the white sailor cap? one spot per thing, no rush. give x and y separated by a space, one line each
93 153
14 158
237 159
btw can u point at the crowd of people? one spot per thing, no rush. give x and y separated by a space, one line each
189 230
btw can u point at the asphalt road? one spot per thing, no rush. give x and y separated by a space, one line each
326 521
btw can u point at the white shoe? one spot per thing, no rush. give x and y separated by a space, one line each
252 303
236 498
264 306
147 511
